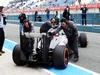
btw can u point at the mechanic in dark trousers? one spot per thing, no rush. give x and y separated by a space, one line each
47 25
27 43
84 10
71 32
44 29
2 36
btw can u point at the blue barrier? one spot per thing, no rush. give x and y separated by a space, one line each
87 28
92 18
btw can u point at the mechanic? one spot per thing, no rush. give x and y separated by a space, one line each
28 27
47 25
28 42
44 29
70 30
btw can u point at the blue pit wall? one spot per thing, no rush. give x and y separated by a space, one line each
93 21
94 29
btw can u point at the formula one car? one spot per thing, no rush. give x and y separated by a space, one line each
52 50
47 49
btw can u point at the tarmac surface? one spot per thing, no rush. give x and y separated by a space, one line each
89 57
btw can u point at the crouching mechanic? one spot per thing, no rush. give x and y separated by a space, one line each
71 32
47 25
27 43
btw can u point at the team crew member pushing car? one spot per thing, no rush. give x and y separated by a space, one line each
27 43
47 25
71 32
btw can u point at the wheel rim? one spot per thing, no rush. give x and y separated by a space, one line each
65 56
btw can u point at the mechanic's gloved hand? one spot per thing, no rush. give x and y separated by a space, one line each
50 34
55 26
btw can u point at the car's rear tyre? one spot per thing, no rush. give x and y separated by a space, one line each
83 40
16 55
60 57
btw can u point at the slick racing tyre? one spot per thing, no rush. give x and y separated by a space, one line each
83 40
16 55
60 57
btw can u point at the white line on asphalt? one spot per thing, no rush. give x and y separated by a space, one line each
94 73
